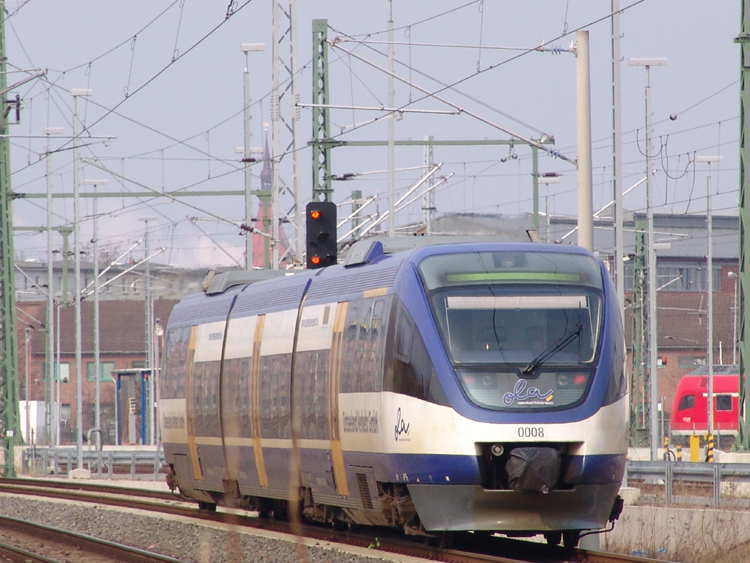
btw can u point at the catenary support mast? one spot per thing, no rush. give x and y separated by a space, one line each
285 128
10 427
321 159
743 440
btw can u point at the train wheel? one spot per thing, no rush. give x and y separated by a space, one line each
446 540
570 538
553 538
209 506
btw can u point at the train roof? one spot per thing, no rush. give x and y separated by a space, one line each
723 383
369 251
373 264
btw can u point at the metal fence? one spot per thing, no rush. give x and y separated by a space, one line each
149 464
108 464
668 472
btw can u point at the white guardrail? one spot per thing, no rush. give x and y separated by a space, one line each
108 464
668 472
149 464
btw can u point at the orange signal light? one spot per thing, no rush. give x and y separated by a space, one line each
315 214
315 260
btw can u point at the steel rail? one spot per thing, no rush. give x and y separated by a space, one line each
28 556
90 486
468 548
93 545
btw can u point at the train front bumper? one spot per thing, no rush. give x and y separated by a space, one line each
471 507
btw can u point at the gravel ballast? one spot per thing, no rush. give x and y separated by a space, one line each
176 537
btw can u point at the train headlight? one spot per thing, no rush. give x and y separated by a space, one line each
497 450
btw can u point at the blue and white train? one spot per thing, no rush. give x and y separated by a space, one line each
455 387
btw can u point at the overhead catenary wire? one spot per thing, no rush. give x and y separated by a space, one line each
174 60
209 156
160 193
502 63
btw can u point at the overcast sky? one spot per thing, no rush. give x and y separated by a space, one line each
167 83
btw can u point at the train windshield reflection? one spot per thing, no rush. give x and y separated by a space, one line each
524 333
481 327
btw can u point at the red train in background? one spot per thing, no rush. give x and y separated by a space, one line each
690 408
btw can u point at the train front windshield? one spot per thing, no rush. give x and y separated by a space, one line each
522 329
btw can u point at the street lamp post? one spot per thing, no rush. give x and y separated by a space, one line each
151 403
735 277
97 351
53 414
77 93
651 260
247 48
157 335
710 289
547 179
27 438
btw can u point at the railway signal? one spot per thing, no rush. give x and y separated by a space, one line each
321 234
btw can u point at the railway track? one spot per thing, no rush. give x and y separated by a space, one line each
27 542
464 548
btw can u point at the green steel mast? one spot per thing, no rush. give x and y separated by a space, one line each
743 440
639 382
10 427
321 157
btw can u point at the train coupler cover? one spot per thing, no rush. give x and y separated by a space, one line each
533 469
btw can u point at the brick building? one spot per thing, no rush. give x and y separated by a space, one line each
122 344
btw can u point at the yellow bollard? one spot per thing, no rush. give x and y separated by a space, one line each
695 448
678 455
709 448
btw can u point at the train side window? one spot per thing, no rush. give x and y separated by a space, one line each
172 384
244 387
198 383
687 402
403 337
282 413
373 347
413 373
363 346
377 319
311 393
265 399
363 363
723 402
618 382
349 364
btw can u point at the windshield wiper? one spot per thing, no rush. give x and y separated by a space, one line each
553 348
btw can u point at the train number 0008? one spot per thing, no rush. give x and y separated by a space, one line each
530 432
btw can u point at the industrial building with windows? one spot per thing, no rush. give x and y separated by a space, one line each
682 316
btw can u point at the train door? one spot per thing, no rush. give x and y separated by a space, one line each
203 405
334 367
190 392
236 401
260 463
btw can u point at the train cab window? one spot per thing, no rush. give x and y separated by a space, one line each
723 402
687 402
